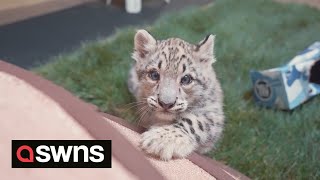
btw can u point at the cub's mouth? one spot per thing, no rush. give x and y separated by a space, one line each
165 111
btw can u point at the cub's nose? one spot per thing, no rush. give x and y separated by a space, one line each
166 105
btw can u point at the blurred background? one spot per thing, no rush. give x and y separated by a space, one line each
51 27
85 46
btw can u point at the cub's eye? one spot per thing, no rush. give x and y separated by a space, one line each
185 80
154 75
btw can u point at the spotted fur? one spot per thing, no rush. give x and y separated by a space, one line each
183 116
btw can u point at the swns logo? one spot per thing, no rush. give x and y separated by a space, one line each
61 153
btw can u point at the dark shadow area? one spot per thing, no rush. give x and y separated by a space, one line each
315 73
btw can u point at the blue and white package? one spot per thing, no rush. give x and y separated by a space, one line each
288 86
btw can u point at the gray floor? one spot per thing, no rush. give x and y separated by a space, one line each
33 41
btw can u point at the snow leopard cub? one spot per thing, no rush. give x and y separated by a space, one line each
175 83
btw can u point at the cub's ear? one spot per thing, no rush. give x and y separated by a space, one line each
144 44
204 51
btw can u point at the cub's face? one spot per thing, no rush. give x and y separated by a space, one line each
173 74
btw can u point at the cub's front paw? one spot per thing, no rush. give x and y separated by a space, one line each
167 142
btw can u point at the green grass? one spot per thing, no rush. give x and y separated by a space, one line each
251 34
